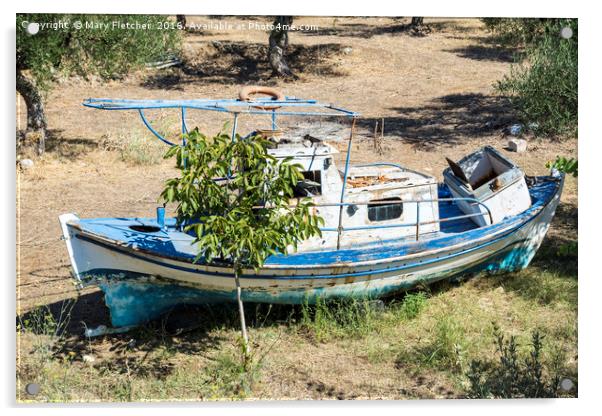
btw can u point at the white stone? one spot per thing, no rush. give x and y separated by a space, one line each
517 145
88 358
26 164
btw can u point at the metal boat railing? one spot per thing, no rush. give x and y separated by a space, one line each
340 229
416 224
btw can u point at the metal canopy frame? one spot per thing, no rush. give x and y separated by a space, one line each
290 106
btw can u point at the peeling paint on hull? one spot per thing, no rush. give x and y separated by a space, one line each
134 300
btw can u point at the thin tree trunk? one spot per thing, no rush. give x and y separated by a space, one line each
241 312
417 21
36 119
417 27
278 43
181 19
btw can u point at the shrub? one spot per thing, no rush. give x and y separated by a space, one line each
544 87
515 32
514 376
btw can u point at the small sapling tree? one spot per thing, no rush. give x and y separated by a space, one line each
236 198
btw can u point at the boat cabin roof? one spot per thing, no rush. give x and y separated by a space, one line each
379 176
301 147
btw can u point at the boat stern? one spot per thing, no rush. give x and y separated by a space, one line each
68 235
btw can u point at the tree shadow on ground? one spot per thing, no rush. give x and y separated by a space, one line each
68 148
240 63
397 26
485 53
447 120
56 144
488 49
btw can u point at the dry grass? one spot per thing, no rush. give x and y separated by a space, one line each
436 96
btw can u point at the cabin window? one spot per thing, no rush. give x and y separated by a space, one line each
379 210
311 185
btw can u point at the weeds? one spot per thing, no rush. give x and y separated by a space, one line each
513 376
357 318
230 377
339 319
140 150
47 331
137 147
413 304
445 349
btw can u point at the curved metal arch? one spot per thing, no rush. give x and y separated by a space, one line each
155 132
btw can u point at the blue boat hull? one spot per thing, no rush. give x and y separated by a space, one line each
139 285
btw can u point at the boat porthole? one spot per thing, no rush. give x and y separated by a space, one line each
145 228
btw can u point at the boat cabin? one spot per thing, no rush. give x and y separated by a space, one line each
378 202
493 180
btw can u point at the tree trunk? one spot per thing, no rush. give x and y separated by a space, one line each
241 312
417 21
181 19
36 119
278 42
417 27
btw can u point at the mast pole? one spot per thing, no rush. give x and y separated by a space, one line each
342 200
234 126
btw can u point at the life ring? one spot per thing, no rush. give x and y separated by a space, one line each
245 95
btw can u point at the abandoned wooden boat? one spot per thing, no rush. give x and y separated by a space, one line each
387 228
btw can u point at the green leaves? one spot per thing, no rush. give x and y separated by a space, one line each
568 166
98 47
544 87
236 198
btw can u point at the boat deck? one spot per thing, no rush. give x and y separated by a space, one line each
171 243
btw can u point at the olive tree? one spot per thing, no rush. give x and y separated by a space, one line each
84 45
278 42
236 199
543 84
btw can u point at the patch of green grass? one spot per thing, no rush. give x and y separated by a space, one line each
227 377
413 304
358 318
338 319
445 346
544 286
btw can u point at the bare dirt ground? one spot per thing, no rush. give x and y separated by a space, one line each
435 94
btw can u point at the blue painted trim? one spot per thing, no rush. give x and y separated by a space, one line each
384 251
298 277
184 127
